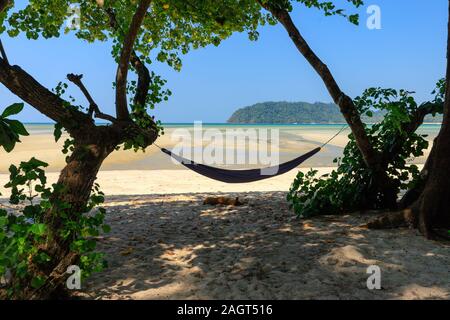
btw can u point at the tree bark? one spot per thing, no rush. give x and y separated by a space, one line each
433 205
124 60
3 4
414 193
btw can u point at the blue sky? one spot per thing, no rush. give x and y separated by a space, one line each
408 52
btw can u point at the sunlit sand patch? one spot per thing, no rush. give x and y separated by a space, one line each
164 292
416 291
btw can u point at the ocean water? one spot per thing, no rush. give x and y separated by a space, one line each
45 128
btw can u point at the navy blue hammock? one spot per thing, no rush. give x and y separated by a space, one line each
248 175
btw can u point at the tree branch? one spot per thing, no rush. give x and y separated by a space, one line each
124 60
144 80
418 117
32 92
416 120
3 5
344 102
2 52
142 71
93 107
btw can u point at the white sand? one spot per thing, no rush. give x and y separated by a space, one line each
136 182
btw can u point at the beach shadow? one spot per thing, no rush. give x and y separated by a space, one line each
174 247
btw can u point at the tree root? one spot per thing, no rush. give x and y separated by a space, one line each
398 219
407 218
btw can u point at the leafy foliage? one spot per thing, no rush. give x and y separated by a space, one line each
327 7
350 186
11 130
24 232
171 27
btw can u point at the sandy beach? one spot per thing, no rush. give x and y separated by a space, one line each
174 247
165 244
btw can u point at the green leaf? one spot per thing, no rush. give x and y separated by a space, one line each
37 282
7 139
42 257
38 229
17 127
12 110
37 163
3 221
58 131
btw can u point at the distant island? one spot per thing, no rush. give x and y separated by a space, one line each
298 112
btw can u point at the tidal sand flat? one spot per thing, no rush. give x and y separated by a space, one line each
294 140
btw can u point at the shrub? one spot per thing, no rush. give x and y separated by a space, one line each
350 187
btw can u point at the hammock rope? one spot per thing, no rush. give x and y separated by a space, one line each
248 175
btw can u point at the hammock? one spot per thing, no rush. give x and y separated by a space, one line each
241 176
244 176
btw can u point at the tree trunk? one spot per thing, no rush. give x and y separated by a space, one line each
77 178
413 194
433 206
431 211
